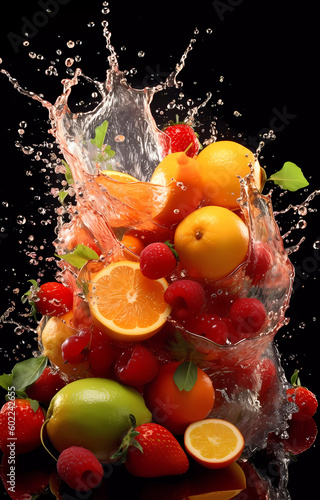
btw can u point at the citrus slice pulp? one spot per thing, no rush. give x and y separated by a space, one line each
125 304
215 443
119 176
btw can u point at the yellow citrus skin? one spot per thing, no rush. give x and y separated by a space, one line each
55 332
94 413
220 164
211 242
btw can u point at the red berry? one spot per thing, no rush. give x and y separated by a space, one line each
21 425
187 298
136 366
209 325
74 347
46 386
101 357
301 436
183 138
305 400
267 372
53 299
248 316
79 468
157 260
260 262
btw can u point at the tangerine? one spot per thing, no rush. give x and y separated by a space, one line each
180 174
173 408
211 242
220 164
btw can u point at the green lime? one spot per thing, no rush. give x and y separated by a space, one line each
94 413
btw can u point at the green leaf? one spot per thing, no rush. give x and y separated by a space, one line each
173 250
6 380
290 177
63 193
28 371
79 256
185 376
34 404
100 134
295 380
68 174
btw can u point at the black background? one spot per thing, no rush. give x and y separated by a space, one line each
266 53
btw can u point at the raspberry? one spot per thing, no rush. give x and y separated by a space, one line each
266 369
260 262
187 298
79 468
248 316
136 366
157 260
209 325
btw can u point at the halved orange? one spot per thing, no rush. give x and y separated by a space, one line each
125 304
213 442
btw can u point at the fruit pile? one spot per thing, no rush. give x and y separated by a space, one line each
120 387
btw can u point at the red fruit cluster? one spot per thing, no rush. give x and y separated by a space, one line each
157 260
79 468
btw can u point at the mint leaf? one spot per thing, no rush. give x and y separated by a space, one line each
100 134
28 371
185 376
68 174
290 177
295 380
79 256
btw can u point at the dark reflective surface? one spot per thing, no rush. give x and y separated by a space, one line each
265 52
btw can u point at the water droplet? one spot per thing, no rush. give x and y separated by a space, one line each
69 62
59 52
105 10
301 224
302 210
33 55
91 24
316 245
123 48
237 113
27 150
302 325
209 31
26 43
70 44
21 220
141 53
119 138
23 124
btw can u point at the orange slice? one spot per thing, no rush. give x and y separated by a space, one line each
125 304
119 176
213 442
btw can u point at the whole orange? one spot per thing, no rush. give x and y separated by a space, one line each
181 175
220 164
173 408
211 242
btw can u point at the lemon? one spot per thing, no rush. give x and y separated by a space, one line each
94 413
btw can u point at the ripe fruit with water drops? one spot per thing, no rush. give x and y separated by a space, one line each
220 164
157 260
20 424
214 443
53 299
52 336
94 413
305 400
75 348
186 297
183 139
79 468
211 242
176 408
181 175
125 304
248 315
133 243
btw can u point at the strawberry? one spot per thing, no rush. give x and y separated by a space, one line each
248 316
20 426
50 299
46 386
183 138
136 366
157 260
150 450
305 400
